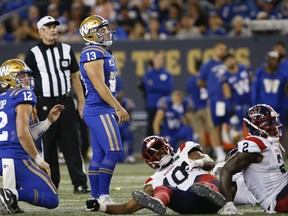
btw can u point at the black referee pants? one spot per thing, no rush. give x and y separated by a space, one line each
62 133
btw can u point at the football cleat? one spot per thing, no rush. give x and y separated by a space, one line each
149 202
82 189
105 199
92 205
209 194
8 201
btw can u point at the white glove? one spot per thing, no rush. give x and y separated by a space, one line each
193 164
230 209
217 169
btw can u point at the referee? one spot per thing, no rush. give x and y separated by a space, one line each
56 73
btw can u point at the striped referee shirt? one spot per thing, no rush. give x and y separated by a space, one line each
52 66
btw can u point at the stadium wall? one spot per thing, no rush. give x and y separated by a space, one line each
132 57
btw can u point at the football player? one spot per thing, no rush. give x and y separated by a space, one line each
241 194
101 110
181 182
219 108
20 162
260 159
173 118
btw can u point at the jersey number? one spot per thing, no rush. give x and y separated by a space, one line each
91 56
3 122
245 147
282 166
27 96
179 174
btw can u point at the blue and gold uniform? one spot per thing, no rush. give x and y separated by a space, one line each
173 128
21 166
101 119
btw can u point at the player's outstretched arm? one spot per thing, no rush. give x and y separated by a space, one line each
25 138
129 207
126 208
38 129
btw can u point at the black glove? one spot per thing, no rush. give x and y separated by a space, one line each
92 205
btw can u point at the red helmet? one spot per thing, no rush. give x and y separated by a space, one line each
156 151
263 120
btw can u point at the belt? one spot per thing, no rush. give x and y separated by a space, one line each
62 97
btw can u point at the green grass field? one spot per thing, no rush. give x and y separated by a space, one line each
127 178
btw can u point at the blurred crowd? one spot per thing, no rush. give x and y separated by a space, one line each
139 19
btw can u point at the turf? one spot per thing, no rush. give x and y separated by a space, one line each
127 177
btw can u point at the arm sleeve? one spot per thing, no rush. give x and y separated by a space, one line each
38 129
30 60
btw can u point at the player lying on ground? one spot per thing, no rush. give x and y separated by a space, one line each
181 182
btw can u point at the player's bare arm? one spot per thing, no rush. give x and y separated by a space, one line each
126 208
234 165
203 160
77 87
159 117
25 138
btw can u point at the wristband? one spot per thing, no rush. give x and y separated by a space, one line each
199 162
102 207
38 159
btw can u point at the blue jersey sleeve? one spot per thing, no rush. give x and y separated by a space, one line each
93 53
22 96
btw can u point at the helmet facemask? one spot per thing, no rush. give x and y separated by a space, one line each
105 39
157 152
15 74
263 120
94 31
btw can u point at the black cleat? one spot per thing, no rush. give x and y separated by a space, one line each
82 189
149 202
8 201
92 205
208 193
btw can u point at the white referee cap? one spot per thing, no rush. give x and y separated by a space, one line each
47 20
273 54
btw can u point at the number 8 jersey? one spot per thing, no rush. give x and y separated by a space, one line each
266 179
10 146
175 174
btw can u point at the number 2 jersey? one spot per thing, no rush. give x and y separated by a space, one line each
94 104
10 146
266 179
175 174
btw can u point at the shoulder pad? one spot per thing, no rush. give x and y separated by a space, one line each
188 146
23 95
92 53
252 144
